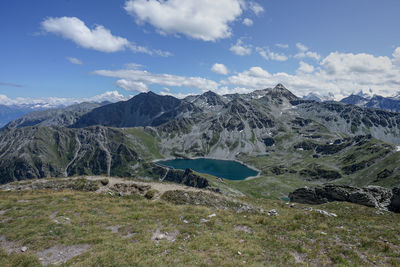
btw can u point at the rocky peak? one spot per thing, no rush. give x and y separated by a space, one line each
279 92
280 86
208 99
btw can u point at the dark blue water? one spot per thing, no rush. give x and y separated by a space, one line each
228 169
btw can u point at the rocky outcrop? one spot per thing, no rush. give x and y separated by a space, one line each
187 177
371 196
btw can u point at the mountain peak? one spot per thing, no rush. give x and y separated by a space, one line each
280 87
280 91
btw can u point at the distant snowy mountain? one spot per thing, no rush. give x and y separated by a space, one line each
319 98
13 109
374 101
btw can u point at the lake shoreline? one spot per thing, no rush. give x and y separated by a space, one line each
213 158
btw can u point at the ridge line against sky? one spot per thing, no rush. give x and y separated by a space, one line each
69 50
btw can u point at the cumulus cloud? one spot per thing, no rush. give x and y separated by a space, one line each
269 55
75 30
130 85
305 68
177 95
140 80
240 48
396 56
99 38
50 102
248 22
339 73
220 69
199 19
305 53
74 60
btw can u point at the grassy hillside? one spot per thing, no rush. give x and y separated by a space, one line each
111 230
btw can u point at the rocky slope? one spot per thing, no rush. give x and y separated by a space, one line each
370 196
142 110
36 152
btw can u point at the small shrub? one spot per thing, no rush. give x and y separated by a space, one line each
104 181
150 194
83 184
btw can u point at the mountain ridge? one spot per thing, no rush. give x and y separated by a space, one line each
292 141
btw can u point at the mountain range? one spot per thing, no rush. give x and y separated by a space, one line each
293 142
376 101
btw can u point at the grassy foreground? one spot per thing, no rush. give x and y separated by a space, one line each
120 232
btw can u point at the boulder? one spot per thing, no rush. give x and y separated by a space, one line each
395 200
307 195
371 196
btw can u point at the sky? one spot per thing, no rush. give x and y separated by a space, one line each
63 51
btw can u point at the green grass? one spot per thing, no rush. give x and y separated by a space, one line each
147 139
358 236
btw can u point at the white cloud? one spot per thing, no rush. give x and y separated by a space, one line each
301 47
256 8
74 29
304 53
51 102
74 60
283 46
347 64
305 68
199 19
248 22
140 80
177 95
396 56
99 38
240 48
339 73
112 96
308 54
269 55
130 85
220 69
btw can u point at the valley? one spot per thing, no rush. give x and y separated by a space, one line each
292 142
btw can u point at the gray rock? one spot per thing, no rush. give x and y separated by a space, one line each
370 196
272 213
363 198
395 200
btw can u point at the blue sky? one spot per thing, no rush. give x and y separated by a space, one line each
69 49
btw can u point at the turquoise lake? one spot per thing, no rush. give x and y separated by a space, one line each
227 169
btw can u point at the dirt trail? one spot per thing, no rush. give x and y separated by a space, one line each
161 187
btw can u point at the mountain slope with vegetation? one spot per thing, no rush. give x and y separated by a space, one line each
292 142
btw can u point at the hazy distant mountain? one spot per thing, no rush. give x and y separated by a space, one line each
65 116
376 101
9 113
355 100
319 98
